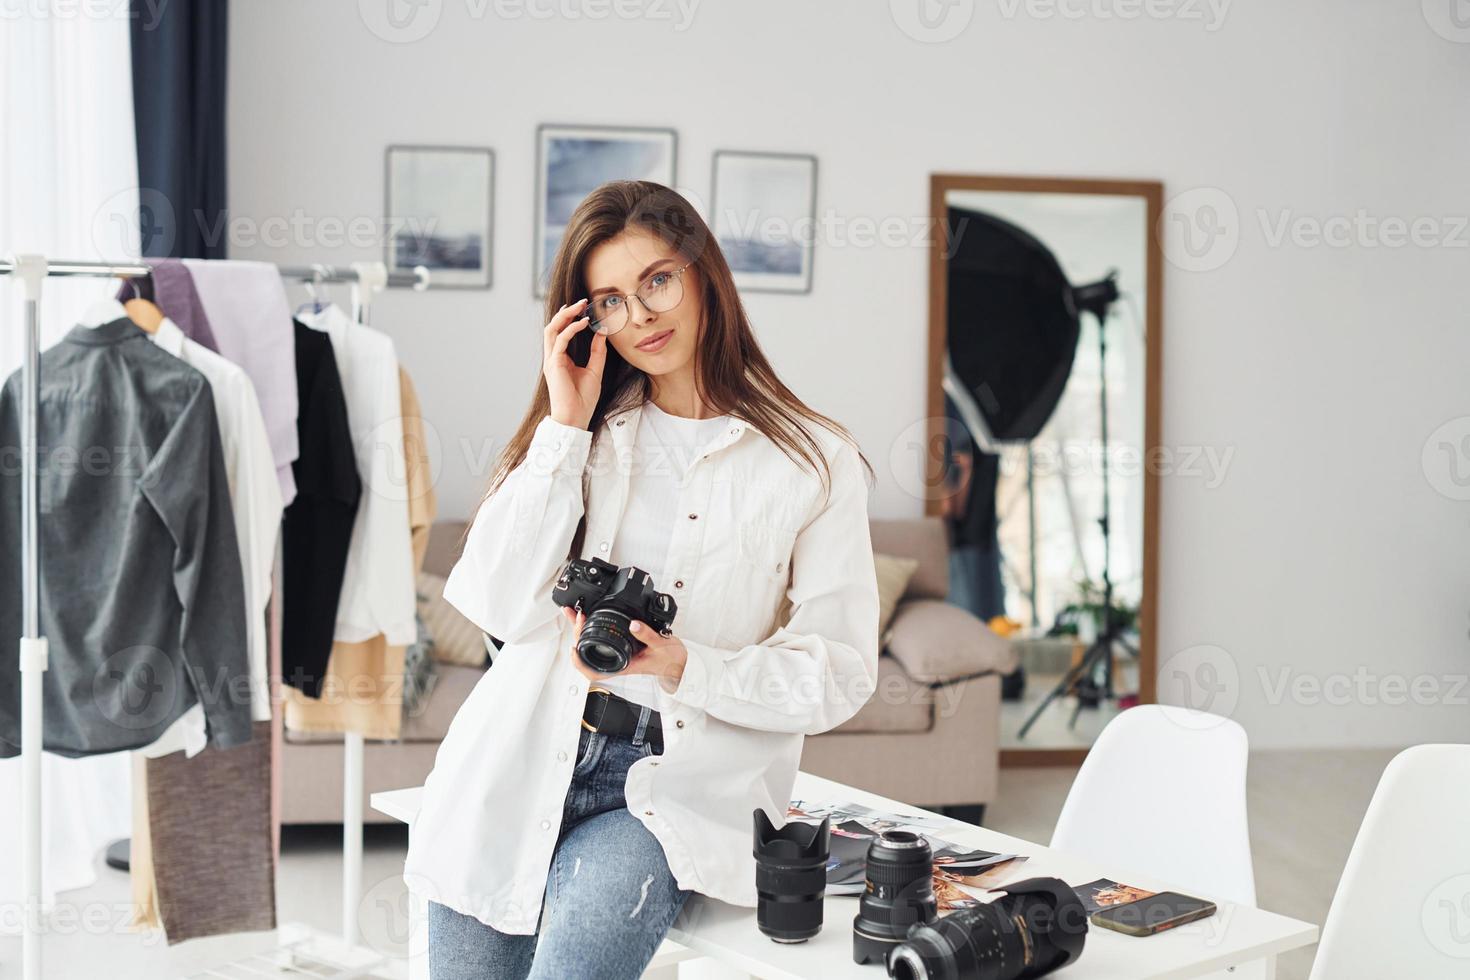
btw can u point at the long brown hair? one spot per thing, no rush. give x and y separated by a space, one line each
732 373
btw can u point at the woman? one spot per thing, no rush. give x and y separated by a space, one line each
570 813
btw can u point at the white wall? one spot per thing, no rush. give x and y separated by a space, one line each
1327 546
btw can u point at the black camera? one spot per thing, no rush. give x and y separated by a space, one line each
1038 926
611 598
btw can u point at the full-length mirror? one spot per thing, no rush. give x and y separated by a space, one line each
1045 299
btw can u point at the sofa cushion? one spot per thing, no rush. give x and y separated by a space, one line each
938 642
456 639
445 539
449 688
893 578
925 539
898 705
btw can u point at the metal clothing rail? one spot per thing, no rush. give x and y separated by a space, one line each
366 278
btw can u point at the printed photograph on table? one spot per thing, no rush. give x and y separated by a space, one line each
763 210
440 213
960 873
571 161
1105 893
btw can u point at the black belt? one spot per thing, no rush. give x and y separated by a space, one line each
608 714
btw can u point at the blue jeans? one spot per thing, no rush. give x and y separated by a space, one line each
610 896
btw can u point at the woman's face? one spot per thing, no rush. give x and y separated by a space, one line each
635 264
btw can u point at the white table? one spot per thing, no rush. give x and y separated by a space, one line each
728 934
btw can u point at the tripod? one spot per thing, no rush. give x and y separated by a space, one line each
1096 299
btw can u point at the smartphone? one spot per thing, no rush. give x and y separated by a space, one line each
1149 916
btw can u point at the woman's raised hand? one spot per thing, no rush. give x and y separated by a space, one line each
574 390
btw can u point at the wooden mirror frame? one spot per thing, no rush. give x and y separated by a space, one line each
1153 194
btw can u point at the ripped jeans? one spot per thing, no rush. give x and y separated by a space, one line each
610 896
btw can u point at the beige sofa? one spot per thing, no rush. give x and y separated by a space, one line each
929 736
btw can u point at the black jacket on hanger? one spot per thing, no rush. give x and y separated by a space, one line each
317 525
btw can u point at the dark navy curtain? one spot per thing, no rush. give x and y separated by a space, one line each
179 51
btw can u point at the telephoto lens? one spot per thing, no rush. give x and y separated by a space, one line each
899 894
790 877
1038 926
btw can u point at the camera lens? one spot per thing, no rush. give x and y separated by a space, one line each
790 878
899 893
606 645
1038 926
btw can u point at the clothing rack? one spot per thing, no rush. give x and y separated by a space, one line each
366 278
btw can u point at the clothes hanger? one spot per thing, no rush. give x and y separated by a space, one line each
145 313
102 312
317 280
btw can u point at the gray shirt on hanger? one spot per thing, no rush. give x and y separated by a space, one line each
142 595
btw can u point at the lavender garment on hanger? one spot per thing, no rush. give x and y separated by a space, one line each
175 295
251 318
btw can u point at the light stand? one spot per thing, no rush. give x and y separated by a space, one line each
1096 299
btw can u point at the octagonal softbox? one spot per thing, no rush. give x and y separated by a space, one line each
1012 327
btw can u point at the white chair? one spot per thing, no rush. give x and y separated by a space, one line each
1162 793
1402 908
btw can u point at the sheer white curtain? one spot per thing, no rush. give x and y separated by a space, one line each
68 189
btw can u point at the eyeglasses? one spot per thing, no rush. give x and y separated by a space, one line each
659 293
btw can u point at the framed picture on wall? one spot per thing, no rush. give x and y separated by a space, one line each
440 213
763 208
573 160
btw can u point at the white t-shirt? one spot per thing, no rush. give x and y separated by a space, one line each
664 448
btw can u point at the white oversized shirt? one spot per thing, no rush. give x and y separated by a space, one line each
664 447
255 502
754 527
377 587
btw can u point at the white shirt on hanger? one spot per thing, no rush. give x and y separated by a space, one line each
663 449
255 501
378 586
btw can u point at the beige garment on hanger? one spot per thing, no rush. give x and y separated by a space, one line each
363 688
